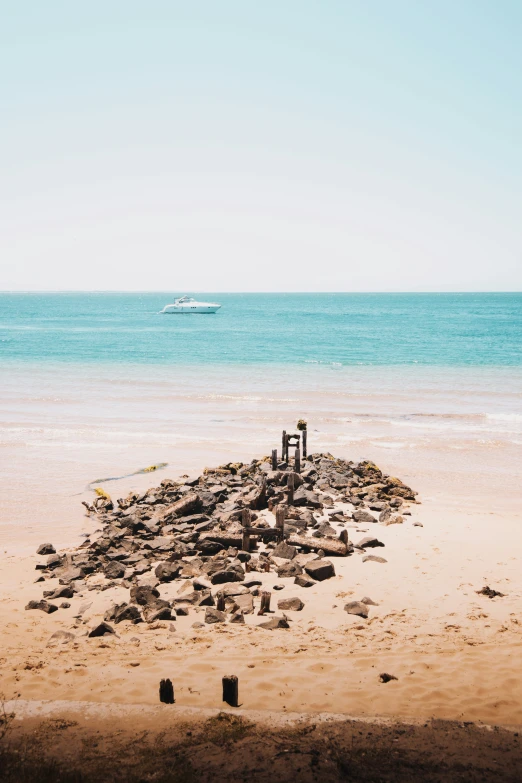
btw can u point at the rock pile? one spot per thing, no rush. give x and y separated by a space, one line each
190 532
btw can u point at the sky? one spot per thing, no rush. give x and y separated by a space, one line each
283 145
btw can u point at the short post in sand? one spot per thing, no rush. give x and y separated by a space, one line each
166 692
280 521
274 459
245 521
284 455
265 602
230 690
297 460
290 486
220 604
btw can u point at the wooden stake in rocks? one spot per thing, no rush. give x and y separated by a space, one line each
220 605
246 520
280 521
297 461
230 690
166 692
283 452
265 602
291 482
274 459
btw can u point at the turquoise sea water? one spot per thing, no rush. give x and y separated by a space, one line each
444 330
93 385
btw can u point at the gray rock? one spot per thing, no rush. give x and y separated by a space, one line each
385 677
114 570
357 608
43 606
64 591
368 541
274 623
103 629
294 604
167 572
214 616
363 517
304 497
65 605
284 550
182 611
121 612
237 617
54 561
46 549
143 594
227 575
368 601
160 610
320 569
245 603
374 559
289 569
385 515
303 580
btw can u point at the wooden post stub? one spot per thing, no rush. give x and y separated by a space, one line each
283 450
290 489
280 521
343 536
245 521
230 690
274 459
305 453
220 605
166 692
265 602
297 460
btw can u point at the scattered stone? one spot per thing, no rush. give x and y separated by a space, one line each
181 611
368 541
374 559
46 549
293 604
274 623
320 569
303 580
385 677
418 524
289 569
284 550
490 593
214 616
368 601
103 629
278 587
114 570
357 608
363 517
166 572
237 617
143 594
65 605
43 606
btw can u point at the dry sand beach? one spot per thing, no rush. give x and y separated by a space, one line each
455 653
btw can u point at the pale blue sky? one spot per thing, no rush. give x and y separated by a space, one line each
244 146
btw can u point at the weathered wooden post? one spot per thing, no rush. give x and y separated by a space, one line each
166 692
297 460
265 602
290 485
220 605
283 451
280 521
230 690
305 454
245 520
274 459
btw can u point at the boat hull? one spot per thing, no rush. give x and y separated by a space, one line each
189 309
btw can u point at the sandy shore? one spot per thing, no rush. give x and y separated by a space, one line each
455 653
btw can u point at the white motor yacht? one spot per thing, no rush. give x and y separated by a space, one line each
185 304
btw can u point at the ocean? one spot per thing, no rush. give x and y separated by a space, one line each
99 385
